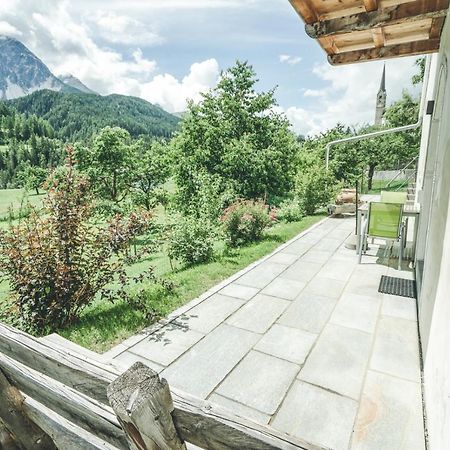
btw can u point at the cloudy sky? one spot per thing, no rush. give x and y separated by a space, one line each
167 51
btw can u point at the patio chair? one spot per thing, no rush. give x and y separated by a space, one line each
384 221
393 197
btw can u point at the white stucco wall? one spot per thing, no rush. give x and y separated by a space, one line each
434 249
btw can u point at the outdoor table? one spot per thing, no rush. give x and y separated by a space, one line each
408 211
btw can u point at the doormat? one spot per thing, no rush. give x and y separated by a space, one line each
397 286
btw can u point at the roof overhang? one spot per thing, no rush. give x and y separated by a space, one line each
362 30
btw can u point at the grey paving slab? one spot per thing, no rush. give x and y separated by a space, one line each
316 256
336 270
262 274
210 313
317 416
396 349
206 364
301 271
128 359
365 280
338 361
326 287
283 258
402 307
287 343
327 244
356 311
250 381
308 312
239 291
284 288
167 344
298 248
259 313
390 415
239 409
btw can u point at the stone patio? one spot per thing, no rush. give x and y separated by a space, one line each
302 341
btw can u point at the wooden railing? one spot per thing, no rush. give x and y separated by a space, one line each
54 398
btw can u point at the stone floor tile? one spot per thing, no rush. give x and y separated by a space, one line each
338 361
284 288
262 274
301 271
336 270
259 381
396 349
283 258
308 312
298 247
259 313
326 287
328 245
287 343
402 307
239 409
316 256
209 313
239 291
356 311
128 359
206 364
317 416
167 344
390 415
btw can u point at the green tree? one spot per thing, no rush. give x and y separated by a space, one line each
110 163
32 177
235 136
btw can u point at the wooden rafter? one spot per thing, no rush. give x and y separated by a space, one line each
370 5
391 51
378 37
396 15
305 10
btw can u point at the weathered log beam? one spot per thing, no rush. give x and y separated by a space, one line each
392 51
370 5
388 16
305 10
81 410
25 433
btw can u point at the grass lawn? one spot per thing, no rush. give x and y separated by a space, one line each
381 185
104 325
12 199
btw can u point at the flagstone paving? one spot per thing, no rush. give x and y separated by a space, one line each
301 341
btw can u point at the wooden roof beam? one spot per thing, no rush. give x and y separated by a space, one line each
378 37
371 5
393 15
391 51
304 10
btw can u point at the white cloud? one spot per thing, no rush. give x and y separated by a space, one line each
172 94
289 59
314 93
9 30
125 30
349 94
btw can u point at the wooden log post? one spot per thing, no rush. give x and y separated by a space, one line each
143 404
25 433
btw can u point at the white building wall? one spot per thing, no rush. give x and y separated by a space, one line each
434 249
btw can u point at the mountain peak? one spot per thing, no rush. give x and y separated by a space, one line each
22 72
74 82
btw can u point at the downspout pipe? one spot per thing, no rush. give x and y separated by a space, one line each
374 134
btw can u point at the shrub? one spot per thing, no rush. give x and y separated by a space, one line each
57 261
290 211
244 221
191 240
315 188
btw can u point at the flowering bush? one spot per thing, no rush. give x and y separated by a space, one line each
291 211
244 221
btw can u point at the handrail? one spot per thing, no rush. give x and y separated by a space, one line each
389 130
401 170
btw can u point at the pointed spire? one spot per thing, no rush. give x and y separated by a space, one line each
383 80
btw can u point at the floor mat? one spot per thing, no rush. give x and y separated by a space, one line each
397 286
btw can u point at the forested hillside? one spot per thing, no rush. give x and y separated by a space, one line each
25 141
79 116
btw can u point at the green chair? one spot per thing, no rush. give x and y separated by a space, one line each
393 197
383 222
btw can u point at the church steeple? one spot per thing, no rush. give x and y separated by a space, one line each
381 99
